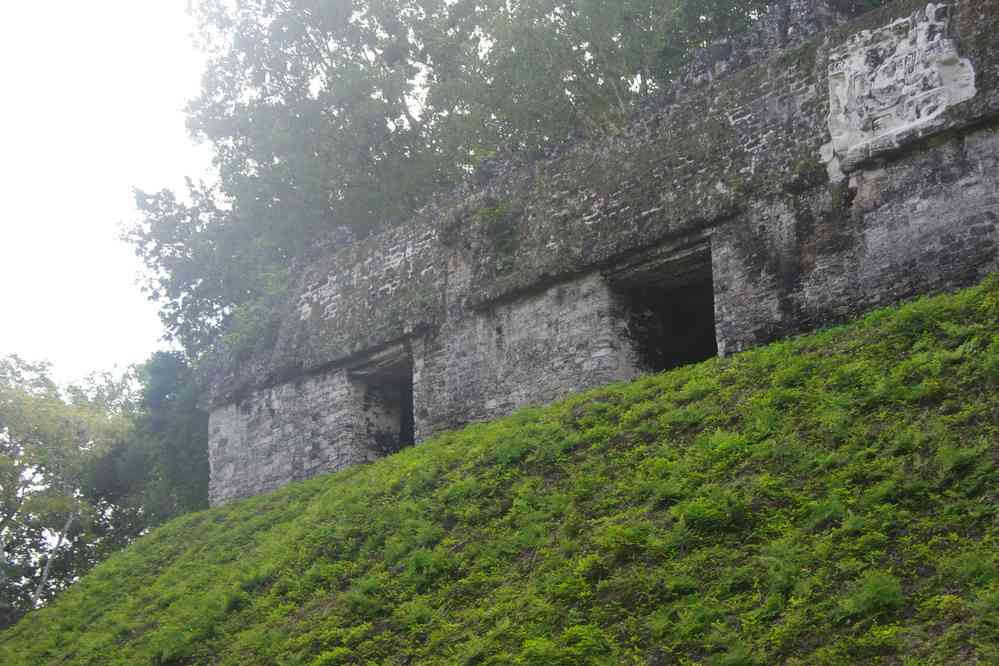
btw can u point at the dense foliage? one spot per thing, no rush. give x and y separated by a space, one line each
51 529
86 469
825 500
161 469
332 118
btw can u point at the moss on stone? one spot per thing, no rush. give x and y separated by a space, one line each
498 222
805 174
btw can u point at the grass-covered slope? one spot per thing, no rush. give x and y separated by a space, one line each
826 500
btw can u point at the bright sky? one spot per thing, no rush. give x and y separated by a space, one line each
92 104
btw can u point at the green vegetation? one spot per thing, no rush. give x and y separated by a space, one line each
51 527
826 500
500 220
86 469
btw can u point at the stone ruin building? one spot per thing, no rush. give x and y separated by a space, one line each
826 164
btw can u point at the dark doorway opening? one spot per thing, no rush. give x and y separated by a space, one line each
386 395
670 308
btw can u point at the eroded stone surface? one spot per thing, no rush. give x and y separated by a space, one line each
892 85
289 432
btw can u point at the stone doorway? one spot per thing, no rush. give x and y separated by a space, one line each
669 306
384 385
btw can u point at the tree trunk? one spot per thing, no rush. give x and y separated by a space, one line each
48 562
3 557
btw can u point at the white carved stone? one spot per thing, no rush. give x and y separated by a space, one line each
890 86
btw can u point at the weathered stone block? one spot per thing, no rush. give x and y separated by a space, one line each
892 85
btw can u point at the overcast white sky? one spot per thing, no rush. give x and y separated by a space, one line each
91 106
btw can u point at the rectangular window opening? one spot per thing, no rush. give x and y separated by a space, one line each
670 310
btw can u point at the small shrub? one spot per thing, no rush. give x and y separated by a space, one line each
695 619
971 568
876 595
542 652
624 542
414 614
717 509
957 460
363 600
824 514
584 643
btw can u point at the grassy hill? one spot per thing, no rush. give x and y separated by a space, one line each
832 499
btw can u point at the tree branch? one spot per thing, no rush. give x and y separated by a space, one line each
48 562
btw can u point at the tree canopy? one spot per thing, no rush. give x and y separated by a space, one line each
86 469
46 445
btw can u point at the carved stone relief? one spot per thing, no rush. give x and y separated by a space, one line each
890 86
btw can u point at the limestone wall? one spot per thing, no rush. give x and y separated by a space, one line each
834 176
924 222
536 349
288 432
